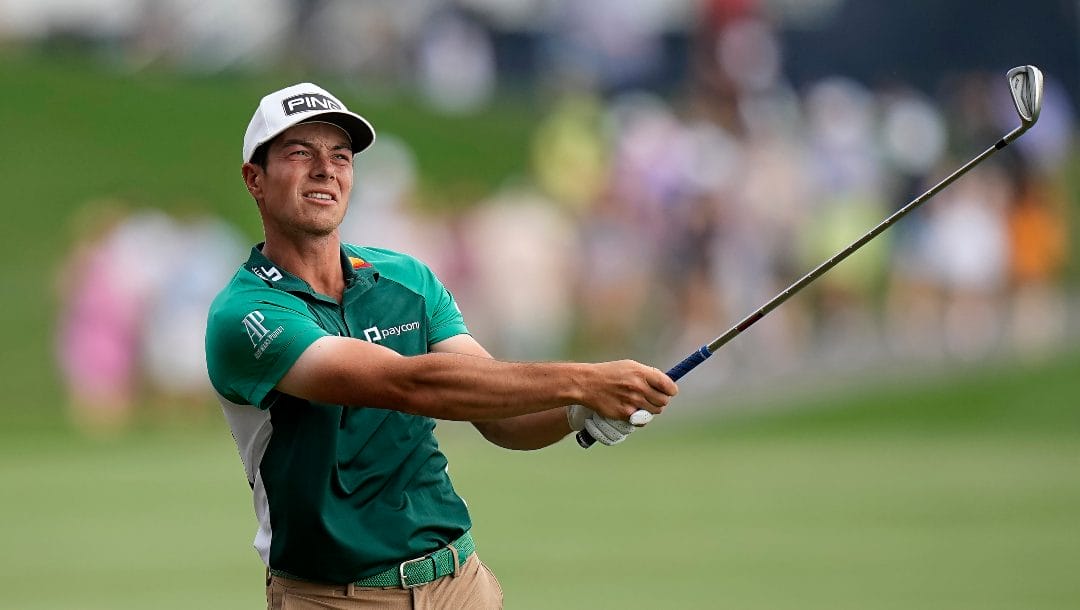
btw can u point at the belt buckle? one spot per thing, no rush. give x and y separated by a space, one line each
405 584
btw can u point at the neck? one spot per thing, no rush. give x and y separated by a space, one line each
316 261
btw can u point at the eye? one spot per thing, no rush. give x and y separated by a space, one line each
299 152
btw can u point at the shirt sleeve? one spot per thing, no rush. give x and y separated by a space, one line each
252 342
444 316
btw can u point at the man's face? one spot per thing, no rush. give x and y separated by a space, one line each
305 187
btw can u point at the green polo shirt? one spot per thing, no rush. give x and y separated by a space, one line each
340 492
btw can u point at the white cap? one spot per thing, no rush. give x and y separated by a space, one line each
301 103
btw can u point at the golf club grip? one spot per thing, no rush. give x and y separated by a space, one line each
688 363
676 373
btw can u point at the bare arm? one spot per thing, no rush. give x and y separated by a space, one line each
349 371
523 432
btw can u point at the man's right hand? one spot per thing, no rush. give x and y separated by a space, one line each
618 389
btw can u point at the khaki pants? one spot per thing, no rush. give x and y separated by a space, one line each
475 587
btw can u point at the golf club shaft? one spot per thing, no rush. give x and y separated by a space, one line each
690 362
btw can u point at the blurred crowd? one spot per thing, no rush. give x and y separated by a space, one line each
646 223
135 291
648 229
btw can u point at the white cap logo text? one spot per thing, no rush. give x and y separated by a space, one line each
308 102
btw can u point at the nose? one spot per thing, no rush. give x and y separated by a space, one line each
322 167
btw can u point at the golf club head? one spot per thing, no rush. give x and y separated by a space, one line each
1026 83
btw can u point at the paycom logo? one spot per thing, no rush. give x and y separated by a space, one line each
376 334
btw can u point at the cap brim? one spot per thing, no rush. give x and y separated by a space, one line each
360 131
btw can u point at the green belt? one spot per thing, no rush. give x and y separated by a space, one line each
419 571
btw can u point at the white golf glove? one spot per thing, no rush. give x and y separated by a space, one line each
605 430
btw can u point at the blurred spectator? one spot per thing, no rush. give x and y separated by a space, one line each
135 291
614 279
974 109
610 44
104 20
714 83
199 254
384 211
213 36
841 116
913 310
366 41
688 273
756 249
651 154
522 248
97 333
913 134
1038 245
109 283
456 64
748 53
969 249
913 140
568 151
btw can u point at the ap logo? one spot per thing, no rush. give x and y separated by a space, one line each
253 324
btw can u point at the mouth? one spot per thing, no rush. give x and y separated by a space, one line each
320 197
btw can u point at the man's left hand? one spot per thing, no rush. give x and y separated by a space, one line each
604 429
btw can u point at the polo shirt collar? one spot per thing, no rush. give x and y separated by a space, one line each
357 272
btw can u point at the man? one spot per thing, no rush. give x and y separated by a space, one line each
332 361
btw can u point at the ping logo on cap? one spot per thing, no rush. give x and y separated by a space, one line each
308 102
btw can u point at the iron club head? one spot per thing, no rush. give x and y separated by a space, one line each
1026 83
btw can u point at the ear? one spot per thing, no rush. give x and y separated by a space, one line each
253 179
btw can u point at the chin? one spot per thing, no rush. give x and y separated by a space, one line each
320 227
321 231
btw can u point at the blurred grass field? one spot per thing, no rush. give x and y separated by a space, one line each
960 492
955 492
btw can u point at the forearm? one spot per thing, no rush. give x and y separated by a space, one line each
441 385
471 388
527 432
466 384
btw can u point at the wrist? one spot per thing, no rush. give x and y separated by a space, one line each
573 391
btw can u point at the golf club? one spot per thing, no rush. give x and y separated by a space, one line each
1026 85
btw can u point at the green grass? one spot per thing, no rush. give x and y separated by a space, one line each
955 493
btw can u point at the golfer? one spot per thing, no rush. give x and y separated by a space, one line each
332 362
